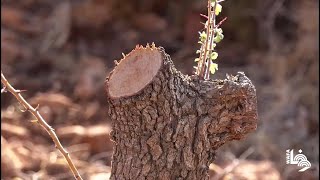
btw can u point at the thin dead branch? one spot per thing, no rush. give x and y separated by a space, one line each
41 121
222 172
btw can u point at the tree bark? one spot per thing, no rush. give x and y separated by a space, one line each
167 125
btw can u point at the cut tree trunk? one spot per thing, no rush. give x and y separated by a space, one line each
167 125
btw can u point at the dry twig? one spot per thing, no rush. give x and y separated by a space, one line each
233 165
41 121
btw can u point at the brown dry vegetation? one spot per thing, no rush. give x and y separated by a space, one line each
61 52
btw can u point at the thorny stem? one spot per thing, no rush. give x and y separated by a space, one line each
212 38
219 24
203 69
42 122
203 63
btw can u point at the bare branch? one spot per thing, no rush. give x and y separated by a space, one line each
42 122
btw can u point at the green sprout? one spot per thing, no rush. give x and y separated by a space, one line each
208 40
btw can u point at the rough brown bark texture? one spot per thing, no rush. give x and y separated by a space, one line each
173 126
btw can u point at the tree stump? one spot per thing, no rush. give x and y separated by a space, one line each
167 125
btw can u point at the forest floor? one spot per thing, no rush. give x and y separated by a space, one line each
62 51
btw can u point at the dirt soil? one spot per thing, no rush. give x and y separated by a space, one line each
61 51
